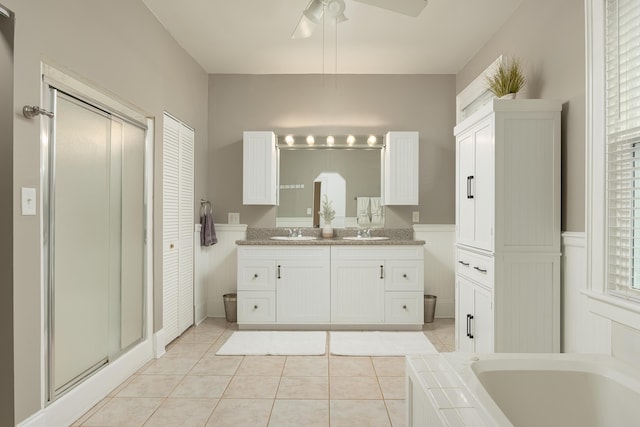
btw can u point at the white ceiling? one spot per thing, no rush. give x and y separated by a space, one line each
254 36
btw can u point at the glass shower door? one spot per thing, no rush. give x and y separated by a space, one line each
80 240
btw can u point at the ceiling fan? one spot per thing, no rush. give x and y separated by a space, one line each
334 9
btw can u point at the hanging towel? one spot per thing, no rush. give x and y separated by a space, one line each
208 230
377 214
363 211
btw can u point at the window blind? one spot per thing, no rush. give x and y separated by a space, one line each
622 64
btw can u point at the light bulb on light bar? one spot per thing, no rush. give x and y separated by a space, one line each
289 140
311 140
372 140
330 140
351 139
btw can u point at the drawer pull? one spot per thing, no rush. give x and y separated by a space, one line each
466 264
404 307
480 269
255 307
404 275
255 276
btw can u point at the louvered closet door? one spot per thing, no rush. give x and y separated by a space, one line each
185 255
177 228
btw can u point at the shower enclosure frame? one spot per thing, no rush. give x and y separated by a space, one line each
89 96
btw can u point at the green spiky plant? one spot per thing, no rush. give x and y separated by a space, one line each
507 78
327 213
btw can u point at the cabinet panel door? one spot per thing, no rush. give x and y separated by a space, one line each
482 324
483 186
303 291
259 168
357 291
465 206
464 309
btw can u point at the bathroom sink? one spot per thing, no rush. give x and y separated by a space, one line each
366 239
294 238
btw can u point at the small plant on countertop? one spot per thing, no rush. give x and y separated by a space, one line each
507 78
327 213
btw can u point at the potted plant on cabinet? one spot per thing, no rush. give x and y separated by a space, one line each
327 214
507 79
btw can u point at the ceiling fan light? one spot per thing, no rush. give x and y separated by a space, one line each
335 8
314 11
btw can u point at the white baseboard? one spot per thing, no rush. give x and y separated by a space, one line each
84 396
159 343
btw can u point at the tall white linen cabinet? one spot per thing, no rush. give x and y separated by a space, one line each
508 228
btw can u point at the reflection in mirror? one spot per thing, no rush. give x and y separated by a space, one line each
349 177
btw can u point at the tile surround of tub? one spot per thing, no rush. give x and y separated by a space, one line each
190 385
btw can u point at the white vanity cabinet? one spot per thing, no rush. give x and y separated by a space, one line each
401 168
259 168
331 285
283 284
508 227
377 284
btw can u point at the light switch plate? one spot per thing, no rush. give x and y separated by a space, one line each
415 217
28 201
308 211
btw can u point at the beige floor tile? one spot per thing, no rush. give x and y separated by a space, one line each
201 386
296 413
150 386
119 388
392 387
219 365
252 387
124 412
261 365
183 413
354 388
306 366
241 413
397 412
170 366
90 412
201 336
389 366
351 367
303 388
352 413
218 343
188 349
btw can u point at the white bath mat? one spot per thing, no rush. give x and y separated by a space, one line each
379 343
280 343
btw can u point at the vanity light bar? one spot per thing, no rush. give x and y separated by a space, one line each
292 142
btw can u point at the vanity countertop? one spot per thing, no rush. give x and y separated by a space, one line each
393 237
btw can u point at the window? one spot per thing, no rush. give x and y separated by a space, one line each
622 129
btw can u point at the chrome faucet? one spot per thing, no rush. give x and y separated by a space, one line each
295 232
365 232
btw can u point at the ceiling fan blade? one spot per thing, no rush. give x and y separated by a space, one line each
304 29
405 7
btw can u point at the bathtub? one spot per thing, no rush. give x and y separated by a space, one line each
525 390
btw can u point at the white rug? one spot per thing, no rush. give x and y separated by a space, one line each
280 343
379 343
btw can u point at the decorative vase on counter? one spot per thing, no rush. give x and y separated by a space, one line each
508 96
327 231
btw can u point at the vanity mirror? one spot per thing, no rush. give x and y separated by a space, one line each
345 168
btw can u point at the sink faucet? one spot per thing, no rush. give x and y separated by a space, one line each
365 232
295 232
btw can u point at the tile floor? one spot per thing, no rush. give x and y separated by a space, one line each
191 386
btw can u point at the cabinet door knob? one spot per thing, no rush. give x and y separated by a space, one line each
171 246
255 307
404 307
404 275
255 276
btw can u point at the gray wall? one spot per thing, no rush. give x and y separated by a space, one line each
6 220
360 104
548 36
119 47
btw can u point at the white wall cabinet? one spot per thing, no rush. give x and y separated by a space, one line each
401 171
342 285
508 227
259 168
177 227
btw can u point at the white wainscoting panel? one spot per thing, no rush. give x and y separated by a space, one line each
219 271
439 264
200 261
582 331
